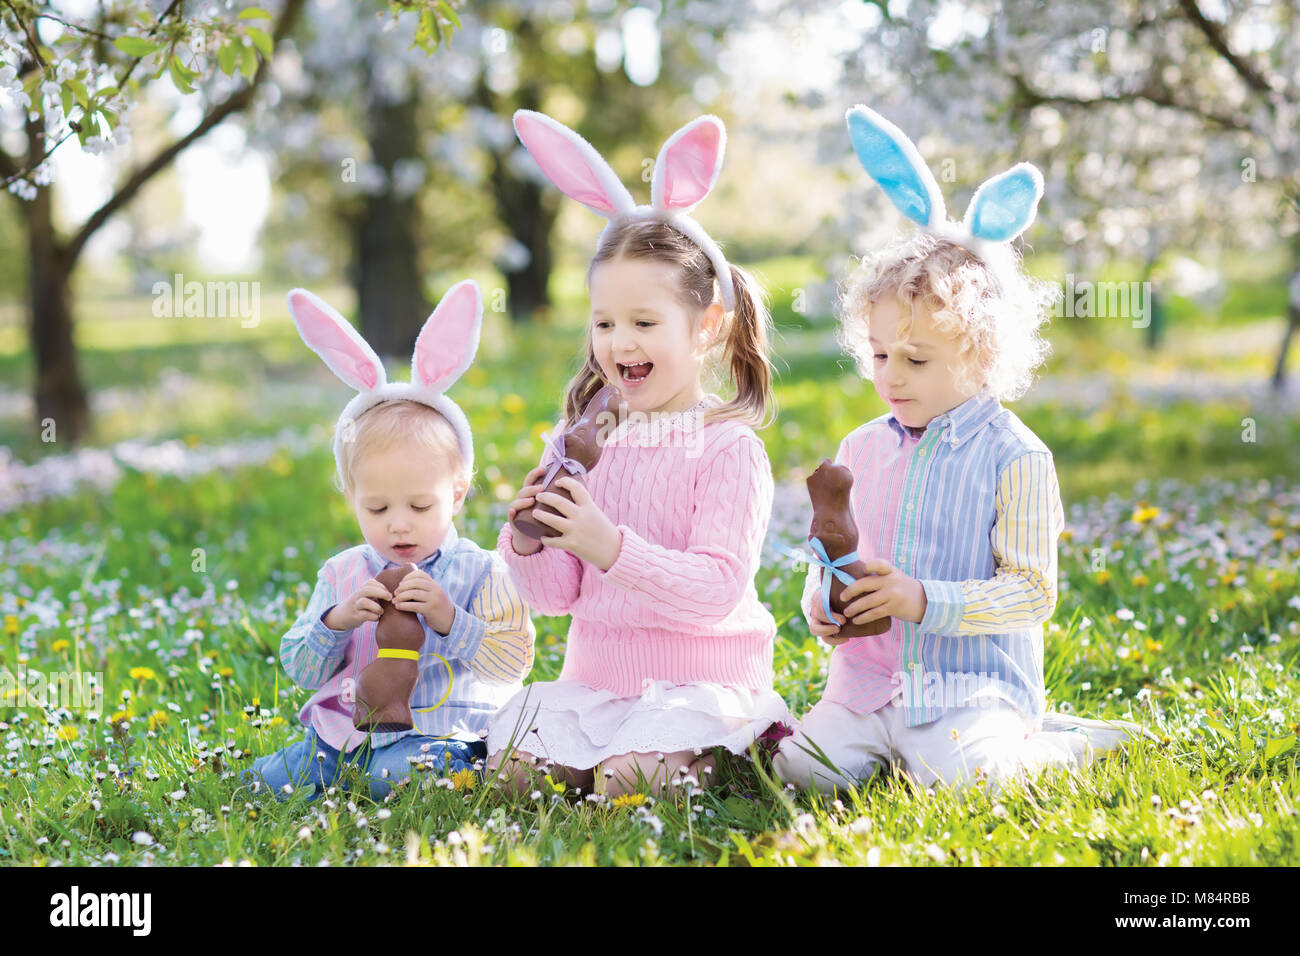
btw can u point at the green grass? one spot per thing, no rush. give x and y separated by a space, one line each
1177 617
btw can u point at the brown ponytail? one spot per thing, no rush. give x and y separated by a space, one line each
742 336
747 350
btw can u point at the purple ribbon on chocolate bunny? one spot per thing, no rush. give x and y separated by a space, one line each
556 445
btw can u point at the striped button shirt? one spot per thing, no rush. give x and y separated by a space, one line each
464 675
969 506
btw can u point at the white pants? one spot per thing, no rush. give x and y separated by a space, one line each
953 749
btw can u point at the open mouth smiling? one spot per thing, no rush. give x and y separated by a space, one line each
632 374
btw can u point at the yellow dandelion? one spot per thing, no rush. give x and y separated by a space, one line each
193 440
1144 515
1141 580
60 645
1067 534
275 722
1103 576
118 717
280 464
210 655
11 625
1153 646
513 404
1278 534
629 800
13 693
464 779
67 732
141 673
158 719
256 702
226 671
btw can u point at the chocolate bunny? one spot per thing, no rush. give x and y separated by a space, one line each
829 488
575 452
385 685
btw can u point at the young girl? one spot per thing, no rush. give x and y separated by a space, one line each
670 651
956 503
405 456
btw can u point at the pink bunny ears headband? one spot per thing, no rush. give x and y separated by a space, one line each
443 351
1001 209
687 167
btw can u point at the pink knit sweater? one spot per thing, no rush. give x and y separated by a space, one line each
679 603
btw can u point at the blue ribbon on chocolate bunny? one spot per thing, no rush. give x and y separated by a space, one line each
836 567
822 560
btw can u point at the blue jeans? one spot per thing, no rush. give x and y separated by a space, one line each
312 762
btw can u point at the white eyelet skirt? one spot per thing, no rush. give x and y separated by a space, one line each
573 725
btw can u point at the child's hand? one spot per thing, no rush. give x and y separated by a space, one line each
884 592
526 498
826 630
584 529
422 594
359 608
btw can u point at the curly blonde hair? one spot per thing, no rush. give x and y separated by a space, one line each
987 304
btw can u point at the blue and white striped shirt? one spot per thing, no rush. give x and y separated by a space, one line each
464 675
970 507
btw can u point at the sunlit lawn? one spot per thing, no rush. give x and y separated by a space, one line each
1178 608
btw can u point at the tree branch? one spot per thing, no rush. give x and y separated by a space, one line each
232 104
1214 34
1157 97
75 26
32 43
19 173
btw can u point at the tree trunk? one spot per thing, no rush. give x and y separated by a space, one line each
60 395
526 208
1293 320
390 290
530 223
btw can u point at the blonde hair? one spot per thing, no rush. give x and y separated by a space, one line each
989 305
741 339
400 424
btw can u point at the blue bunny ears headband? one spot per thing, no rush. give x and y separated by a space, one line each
1001 209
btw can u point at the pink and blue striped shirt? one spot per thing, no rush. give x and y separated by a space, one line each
969 506
464 675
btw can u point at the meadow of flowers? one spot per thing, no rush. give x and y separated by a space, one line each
170 559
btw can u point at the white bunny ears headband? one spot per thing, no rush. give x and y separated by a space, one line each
443 351
687 167
1001 209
